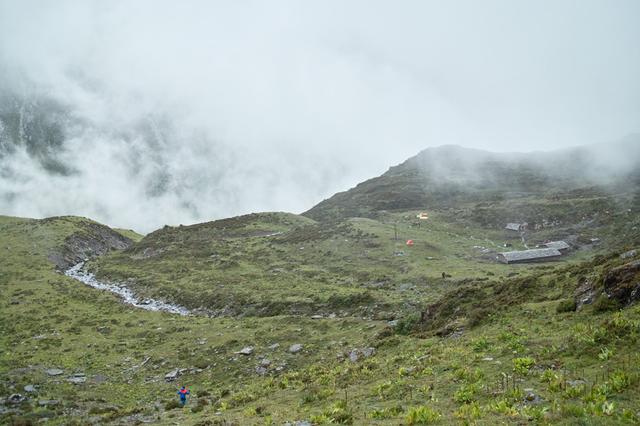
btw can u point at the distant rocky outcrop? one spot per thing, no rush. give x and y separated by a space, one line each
623 283
91 239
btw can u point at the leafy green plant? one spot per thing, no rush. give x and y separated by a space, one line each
608 408
469 412
422 415
480 344
466 394
549 376
386 413
619 381
503 407
522 365
605 354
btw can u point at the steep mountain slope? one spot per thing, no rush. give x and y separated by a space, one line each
441 177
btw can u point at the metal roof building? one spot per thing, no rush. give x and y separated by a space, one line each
534 255
558 245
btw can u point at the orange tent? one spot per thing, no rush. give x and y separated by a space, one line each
409 242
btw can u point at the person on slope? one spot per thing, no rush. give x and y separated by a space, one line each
183 392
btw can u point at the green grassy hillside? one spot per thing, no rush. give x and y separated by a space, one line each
383 337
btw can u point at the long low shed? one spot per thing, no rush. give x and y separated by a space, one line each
558 245
533 255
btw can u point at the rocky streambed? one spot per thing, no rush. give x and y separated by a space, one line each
128 296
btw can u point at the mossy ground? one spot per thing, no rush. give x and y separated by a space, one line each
273 284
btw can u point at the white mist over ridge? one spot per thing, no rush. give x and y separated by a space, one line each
180 112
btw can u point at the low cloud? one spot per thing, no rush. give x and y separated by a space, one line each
178 112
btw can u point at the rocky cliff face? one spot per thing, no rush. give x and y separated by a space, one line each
91 240
623 283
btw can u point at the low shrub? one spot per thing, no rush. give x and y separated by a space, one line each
605 304
566 305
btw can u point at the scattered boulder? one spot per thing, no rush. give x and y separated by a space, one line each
532 399
295 348
16 398
247 350
265 362
54 372
623 283
172 375
585 294
357 354
367 352
100 378
77 379
30 388
274 346
629 254
48 402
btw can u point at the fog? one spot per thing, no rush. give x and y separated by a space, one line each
179 112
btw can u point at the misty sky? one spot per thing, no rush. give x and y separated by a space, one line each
277 105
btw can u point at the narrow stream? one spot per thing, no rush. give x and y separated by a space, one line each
127 295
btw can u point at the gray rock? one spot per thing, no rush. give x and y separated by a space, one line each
29 388
247 350
367 352
77 378
585 294
629 254
576 383
532 399
357 354
48 402
487 358
261 371
172 375
294 349
265 362
317 317
274 346
99 378
54 372
16 398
